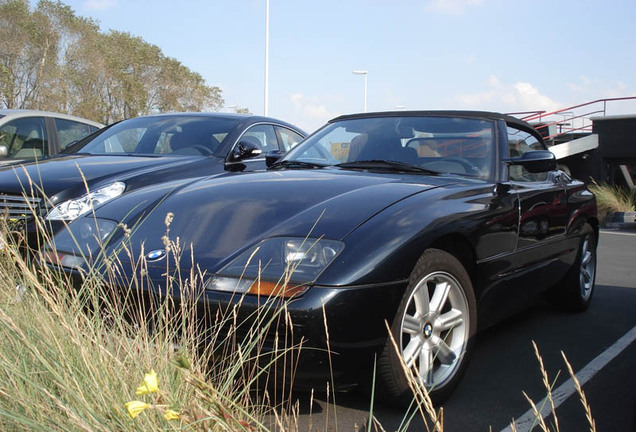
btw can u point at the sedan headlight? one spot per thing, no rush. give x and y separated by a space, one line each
81 240
72 209
283 266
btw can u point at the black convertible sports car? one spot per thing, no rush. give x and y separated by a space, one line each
135 153
436 223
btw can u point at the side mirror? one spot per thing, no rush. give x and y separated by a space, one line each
4 152
536 161
245 150
272 157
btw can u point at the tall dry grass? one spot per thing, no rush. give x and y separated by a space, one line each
612 199
72 357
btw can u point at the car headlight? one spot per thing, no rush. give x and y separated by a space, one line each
283 266
82 239
74 208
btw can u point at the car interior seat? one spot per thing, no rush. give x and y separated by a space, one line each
355 147
180 141
31 148
187 143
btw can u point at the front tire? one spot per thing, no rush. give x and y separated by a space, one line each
433 328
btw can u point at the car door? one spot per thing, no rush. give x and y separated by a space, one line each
543 215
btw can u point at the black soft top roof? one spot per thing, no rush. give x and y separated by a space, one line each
450 113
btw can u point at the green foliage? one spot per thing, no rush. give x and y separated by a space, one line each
54 60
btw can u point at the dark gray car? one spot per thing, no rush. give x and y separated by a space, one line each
135 153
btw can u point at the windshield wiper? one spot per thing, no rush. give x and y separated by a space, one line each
295 164
146 155
384 165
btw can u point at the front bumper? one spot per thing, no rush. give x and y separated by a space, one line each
326 335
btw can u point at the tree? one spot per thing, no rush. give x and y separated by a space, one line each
52 59
76 43
27 54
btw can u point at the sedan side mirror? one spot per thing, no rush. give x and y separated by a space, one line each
272 157
246 149
4 152
536 161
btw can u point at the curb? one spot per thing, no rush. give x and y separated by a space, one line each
622 220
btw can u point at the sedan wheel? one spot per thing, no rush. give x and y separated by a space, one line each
433 330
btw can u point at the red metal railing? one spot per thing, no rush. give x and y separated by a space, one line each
575 119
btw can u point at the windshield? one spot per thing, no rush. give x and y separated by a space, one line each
169 135
443 144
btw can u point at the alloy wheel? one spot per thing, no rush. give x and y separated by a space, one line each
588 268
434 330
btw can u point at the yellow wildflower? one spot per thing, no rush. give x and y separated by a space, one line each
150 384
171 415
136 407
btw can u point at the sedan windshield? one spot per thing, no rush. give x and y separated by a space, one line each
169 135
441 144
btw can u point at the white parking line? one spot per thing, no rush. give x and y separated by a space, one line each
567 389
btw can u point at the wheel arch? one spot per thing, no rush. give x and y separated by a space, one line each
461 248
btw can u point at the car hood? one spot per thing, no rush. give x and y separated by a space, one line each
67 172
221 217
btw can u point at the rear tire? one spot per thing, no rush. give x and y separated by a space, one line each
433 329
575 291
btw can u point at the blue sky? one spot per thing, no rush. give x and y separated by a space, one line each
500 55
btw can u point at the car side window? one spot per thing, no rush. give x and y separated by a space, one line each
520 142
265 135
25 138
288 137
69 131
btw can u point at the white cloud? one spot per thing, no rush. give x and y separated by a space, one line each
499 96
99 4
527 96
309 115
451 7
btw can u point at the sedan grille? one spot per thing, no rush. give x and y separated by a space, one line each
18 207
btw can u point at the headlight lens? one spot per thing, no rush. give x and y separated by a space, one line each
72 209
283 266
82 239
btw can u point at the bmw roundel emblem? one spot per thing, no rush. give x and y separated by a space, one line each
428 330
155 255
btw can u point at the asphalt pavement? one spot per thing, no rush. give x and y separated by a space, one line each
599 344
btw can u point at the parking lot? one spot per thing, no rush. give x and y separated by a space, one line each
598 343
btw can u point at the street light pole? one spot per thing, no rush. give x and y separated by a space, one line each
363 72
266 109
